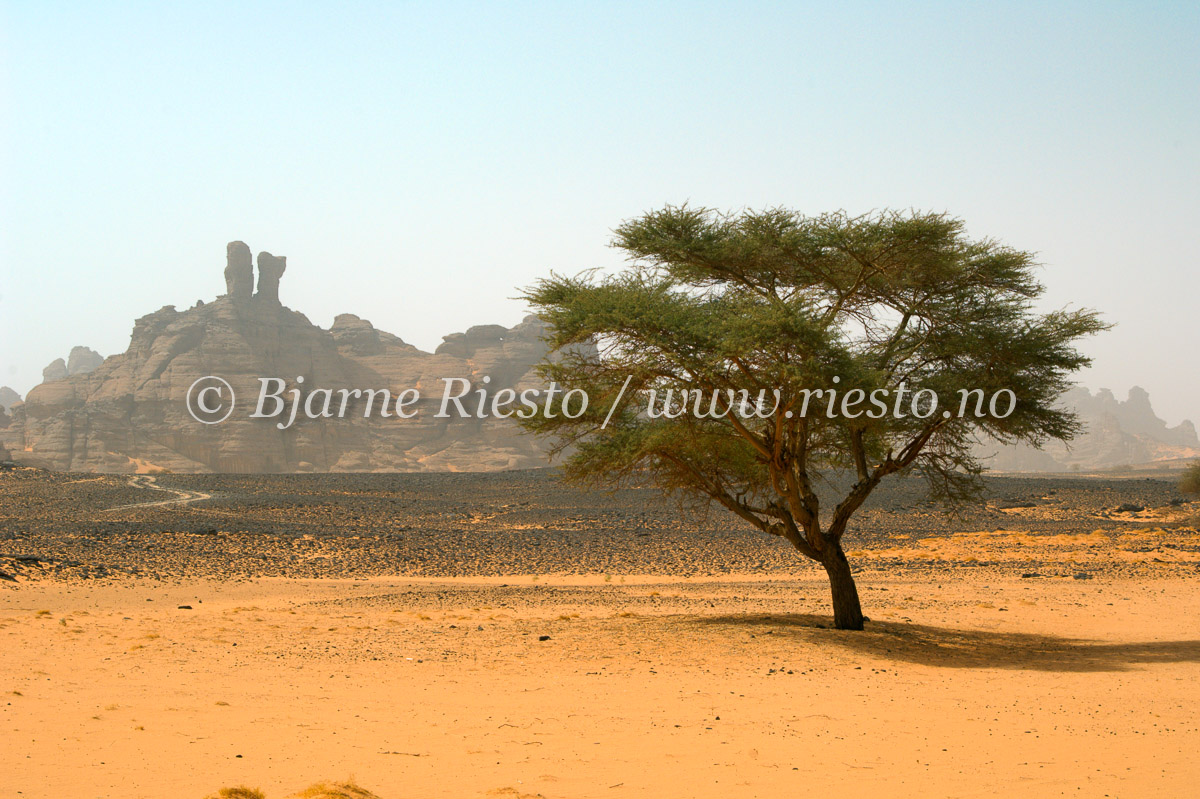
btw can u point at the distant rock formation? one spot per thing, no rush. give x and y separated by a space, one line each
83 360
130 414
55 370
8 398
358 337
1115 434
1134 415
239 271
270 270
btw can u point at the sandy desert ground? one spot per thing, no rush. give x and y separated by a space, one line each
502 636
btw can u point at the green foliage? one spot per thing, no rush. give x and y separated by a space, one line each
1190 482
774 300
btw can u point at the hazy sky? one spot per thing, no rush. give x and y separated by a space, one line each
417 163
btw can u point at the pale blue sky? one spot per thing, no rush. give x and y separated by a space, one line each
419 162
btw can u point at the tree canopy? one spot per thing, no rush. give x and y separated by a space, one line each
801 311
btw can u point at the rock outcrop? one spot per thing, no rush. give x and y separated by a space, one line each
55 370
239 271
83 360
358 337
8 398
130 413
270 270
1115 434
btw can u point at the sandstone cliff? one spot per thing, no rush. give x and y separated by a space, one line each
129 412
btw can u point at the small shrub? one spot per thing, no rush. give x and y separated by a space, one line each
1190 482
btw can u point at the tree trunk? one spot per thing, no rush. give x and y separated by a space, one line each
847 612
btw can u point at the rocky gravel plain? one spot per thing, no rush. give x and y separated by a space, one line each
66 526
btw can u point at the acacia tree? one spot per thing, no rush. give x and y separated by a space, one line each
802 311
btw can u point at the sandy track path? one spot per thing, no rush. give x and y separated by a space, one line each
181 496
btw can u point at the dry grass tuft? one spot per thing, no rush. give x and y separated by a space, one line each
320 790
240 792
335 790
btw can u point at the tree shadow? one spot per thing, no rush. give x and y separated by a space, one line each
948 647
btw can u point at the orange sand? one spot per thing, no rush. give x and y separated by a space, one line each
722 689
